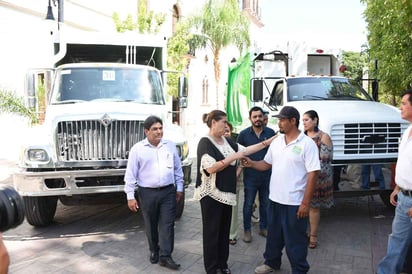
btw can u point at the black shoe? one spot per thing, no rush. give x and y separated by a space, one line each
224 271
169 263
154 257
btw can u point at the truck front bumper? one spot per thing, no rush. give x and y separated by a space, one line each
74 182
69 182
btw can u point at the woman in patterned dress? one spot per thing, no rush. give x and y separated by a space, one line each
323 195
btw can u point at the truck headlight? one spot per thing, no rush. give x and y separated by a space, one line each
37 155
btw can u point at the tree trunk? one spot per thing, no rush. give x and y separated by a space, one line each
216 64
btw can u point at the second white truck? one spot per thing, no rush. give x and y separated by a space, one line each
363 131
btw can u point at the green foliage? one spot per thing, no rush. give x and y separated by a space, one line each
220 23
146 22
123 26
390 41
11 103
178 45
41 95
177 48
355 63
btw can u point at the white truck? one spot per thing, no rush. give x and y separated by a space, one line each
363 131
103 88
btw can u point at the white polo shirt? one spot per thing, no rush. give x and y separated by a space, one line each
290 166
403 176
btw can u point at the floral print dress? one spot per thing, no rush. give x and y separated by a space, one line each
323 195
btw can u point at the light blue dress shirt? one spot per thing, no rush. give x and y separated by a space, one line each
153 167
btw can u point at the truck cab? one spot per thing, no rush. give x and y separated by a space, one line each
362 130
102 89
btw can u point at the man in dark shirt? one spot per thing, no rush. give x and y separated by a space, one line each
255 181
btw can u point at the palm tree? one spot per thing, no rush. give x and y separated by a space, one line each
219 24
11 103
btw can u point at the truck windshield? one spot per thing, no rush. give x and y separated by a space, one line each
140 85
325 88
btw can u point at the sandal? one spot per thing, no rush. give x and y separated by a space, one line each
313 241
232 241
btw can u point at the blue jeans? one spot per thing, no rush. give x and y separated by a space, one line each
400 238
377 172
253 185
286 230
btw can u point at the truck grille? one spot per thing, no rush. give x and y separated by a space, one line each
97 140
366 138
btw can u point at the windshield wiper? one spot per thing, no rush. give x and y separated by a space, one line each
347 96
68 102
314 97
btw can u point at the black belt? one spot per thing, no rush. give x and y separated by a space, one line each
157 188
406 192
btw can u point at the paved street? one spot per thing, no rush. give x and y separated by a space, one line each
111 239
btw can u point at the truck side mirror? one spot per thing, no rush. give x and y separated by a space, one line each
257 90
182 89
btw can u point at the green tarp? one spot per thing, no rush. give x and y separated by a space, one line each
238 89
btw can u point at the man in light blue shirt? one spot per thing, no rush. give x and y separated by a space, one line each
154 167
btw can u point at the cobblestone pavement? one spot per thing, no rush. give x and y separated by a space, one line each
110 239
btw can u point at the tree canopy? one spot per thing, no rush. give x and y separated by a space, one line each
177 48
219 23
146 22
390 41
354 62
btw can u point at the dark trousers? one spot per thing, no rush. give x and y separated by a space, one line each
286 230
377 172
252 185
159 209
216 219
336 176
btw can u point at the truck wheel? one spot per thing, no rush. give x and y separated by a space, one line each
180 206
40 210
385 197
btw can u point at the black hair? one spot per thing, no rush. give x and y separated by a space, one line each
255 109
216 115
408 91
313 114
150 121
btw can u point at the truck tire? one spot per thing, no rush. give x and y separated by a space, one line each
180 206
40 210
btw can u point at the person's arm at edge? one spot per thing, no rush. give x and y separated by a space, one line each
4 257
